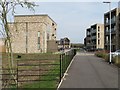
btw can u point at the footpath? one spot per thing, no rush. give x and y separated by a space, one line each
89 71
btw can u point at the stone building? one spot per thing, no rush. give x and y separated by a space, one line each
30 33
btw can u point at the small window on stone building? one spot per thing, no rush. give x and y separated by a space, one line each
38 46
98 28
38 40
52 24
52 34
98 42
98 35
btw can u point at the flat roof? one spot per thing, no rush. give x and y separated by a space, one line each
111 11
36 15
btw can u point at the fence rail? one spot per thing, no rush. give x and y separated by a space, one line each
34 72
65 59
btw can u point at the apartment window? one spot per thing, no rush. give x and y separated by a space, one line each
38 40
52 24
52 34
98 42
114 18
38 33
107 39
107 20
107 29
88 33
98 35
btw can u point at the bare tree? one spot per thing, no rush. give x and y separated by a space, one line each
6 7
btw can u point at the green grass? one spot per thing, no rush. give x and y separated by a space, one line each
41 84
50 81
45 81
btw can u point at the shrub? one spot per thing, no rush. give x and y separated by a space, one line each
102 54
116 60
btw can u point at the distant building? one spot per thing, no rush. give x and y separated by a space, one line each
115 29
88 39
95 37
64 43
31 33
85 41
77 45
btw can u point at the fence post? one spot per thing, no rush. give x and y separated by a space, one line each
17 74
60 66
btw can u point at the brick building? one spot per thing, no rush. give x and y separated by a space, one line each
31 33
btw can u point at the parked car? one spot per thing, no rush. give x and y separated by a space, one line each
116 53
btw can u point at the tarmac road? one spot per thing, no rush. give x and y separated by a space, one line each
89 71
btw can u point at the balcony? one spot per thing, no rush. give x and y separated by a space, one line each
88 38
88 35
113 21
112 31
93 37
107 23
93 31
113 42
107 32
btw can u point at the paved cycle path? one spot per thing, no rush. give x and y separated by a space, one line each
89 71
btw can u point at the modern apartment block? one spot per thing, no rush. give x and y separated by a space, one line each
95 37
115 30
31 33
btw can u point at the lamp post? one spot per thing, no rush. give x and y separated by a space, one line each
110 29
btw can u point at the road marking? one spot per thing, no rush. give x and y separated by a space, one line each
63 78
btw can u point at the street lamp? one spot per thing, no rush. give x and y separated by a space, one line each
110 29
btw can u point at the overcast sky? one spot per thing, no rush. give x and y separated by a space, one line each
72 18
